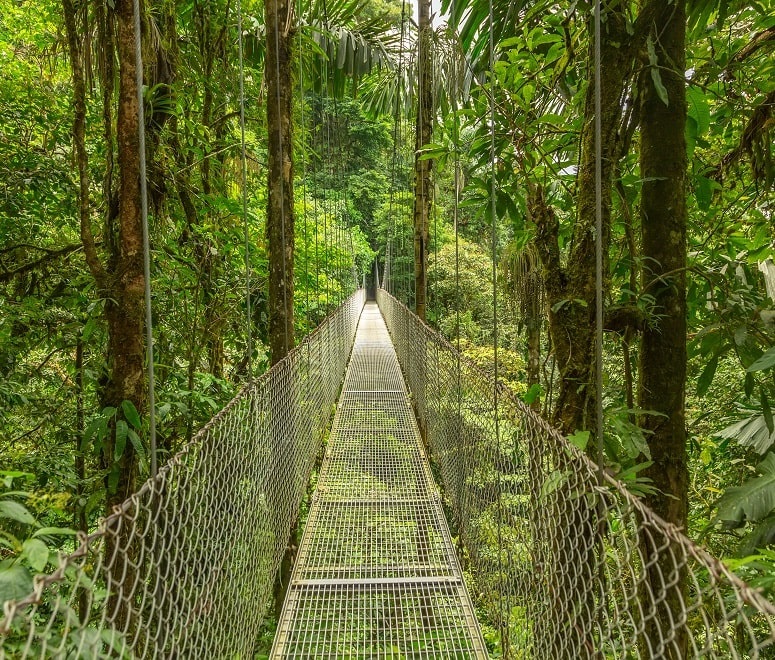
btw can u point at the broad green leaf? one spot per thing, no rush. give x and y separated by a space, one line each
754 500
767 411
15 583
766 361
8 476
697 108
761 536
15 511
656 76
131 414
706 377
36 553
748 385
54 531
580 439
553 482
703 192
137 443
121 434
532 394
750 432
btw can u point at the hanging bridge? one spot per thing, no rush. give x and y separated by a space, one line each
545 556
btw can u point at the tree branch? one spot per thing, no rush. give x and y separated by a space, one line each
547 233
50 255
79 135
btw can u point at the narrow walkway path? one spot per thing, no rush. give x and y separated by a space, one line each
376 574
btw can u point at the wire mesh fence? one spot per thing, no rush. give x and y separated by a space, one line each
565 561
185 567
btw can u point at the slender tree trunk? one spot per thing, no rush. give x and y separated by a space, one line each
79 514
533 327
567 633
663 346
280 230
280 216
125 310
209 254
122 283
422 168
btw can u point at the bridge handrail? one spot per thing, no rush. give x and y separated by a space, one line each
186 566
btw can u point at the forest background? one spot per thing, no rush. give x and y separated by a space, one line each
73 437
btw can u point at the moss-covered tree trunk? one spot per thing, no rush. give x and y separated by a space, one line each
279 229
124 310
663 165
422 167
571 299
280 218
121 280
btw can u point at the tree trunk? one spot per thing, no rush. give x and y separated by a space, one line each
124 311
422 168
663 346
79 512
122 282
533 328
571 299
280 217
280 229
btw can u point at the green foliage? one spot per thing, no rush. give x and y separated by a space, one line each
27 546
752 501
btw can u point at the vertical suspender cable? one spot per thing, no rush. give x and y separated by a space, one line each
304 184
598 244
244 163
455 212
494 246
391 236
146 238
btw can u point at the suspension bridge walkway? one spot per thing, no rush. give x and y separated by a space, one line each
560 559
376 573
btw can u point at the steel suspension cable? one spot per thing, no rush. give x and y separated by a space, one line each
494 255
390 232
598 244
244 167
146 236
304 182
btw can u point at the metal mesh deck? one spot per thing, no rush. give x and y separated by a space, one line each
376 573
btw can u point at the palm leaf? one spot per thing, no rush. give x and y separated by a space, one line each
752 501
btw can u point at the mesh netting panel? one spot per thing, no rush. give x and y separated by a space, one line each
565 566
186 567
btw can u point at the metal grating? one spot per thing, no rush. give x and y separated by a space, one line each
375 539
429 619
376 574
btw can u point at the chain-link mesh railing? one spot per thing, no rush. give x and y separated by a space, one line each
185 568
566 563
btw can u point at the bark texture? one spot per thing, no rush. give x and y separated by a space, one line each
280 229
280 218
422 168
120 279
124 310
571 299
663 345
